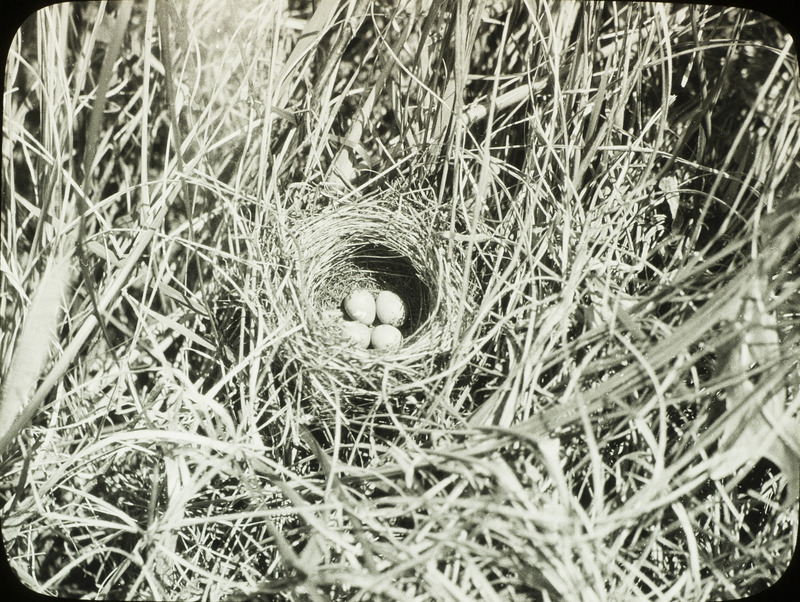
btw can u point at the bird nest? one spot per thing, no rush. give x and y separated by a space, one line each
383 242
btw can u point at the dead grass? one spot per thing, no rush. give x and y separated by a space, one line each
597 203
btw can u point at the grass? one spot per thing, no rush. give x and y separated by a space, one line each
594 206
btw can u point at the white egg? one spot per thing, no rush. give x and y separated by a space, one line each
390 308
356 333
360 305
386 338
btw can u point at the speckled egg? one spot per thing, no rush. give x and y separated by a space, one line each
386 337
390 308
360 306
356 333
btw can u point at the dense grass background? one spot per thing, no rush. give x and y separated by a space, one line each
601 201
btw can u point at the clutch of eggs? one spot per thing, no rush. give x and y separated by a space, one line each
362 308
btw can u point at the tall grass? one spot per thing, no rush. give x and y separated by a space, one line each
599 201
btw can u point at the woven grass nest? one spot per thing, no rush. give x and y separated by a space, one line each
385 241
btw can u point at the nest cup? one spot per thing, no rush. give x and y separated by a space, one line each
378 243
376 267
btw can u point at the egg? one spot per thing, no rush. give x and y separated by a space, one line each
356 333
360 306
390 308
386 337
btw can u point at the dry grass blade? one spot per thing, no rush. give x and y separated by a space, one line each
313 31
35 342
93 136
